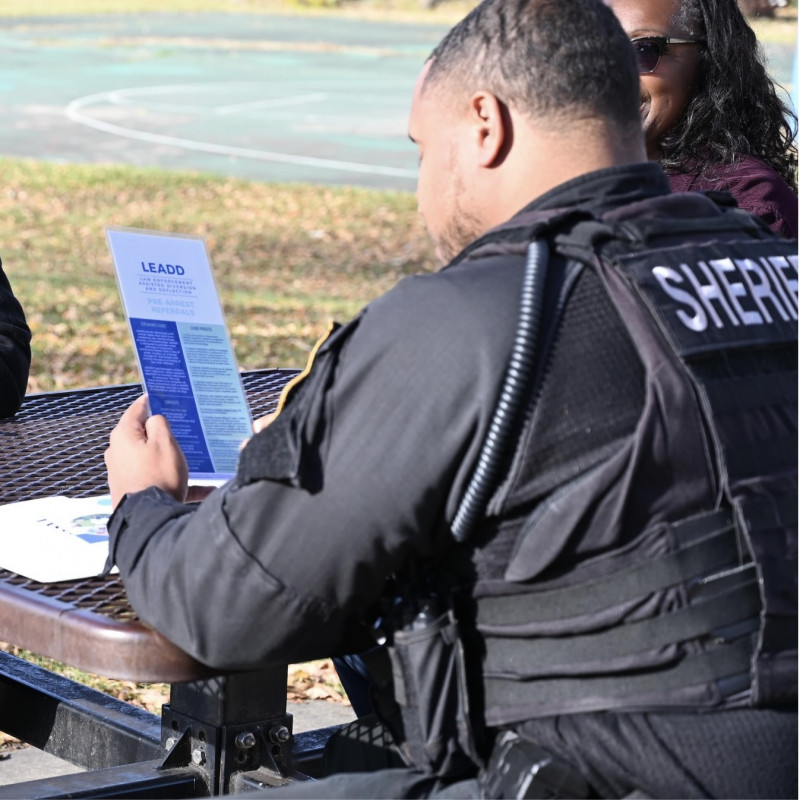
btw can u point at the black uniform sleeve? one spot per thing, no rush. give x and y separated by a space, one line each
15 350
356 476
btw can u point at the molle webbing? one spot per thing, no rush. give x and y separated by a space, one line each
771 524
714 551
744 404
728 312
730 398
636 663
727 668
607 650
712 620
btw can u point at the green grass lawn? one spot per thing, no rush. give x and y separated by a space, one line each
287 259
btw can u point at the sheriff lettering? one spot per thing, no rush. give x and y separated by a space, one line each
715 296
732 291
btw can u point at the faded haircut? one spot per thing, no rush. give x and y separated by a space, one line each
558 59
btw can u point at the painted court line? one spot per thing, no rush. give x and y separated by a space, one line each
297 100
115 98
127 98
74 111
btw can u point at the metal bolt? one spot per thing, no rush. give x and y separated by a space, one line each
198 756
245 740
280 734
170 743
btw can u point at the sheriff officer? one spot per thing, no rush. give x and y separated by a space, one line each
574 446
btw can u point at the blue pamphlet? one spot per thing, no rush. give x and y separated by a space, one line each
185 356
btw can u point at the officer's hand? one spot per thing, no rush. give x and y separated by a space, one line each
259 425
143 452
196 493
262 422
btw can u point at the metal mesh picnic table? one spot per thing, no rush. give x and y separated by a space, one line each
54 446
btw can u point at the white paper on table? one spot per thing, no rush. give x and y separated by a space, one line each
55 538
52 539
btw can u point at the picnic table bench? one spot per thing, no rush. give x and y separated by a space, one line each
218 734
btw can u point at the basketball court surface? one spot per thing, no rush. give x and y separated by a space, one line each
268 98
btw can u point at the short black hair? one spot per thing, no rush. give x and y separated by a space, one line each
546 58
735 109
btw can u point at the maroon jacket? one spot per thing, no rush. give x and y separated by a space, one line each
754 185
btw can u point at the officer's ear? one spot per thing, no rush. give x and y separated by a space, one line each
492 128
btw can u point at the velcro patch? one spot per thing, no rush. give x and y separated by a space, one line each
720 295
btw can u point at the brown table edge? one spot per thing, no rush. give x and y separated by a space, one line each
120 650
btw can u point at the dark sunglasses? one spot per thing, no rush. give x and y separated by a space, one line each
649 50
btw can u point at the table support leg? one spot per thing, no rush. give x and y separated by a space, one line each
225 735
231 724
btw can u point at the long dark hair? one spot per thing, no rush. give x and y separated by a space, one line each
735 109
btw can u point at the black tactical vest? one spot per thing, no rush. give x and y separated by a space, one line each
691 612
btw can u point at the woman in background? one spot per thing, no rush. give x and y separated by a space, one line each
711 114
